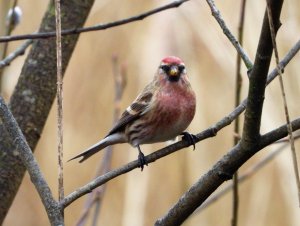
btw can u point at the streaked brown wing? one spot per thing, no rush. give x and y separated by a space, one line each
134 111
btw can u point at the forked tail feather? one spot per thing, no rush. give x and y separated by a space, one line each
109 140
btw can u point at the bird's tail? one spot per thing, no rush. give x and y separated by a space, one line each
109 140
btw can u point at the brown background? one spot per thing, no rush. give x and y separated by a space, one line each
190 32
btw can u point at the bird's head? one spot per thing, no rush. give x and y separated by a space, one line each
172 68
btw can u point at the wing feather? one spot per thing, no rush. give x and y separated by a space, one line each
134 111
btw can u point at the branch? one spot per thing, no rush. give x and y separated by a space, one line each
210 132
99 27
96 197
36 176
217 15
286 110
34 94
19 51
287 58
59 95
210 181
238 89
11 24
258 79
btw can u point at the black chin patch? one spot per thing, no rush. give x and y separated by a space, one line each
173 78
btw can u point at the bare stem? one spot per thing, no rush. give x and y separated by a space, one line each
286 110
72 31
24 152
18 52
96 197
217 15
238 85
59 101
9 29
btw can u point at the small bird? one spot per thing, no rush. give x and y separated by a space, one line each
163 110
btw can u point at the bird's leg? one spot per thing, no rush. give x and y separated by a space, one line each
190 138
141 158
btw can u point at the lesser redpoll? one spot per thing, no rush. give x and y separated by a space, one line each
163 110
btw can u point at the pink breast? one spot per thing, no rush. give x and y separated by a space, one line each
175 114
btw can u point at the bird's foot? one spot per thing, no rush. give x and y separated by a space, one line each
190 138
141 159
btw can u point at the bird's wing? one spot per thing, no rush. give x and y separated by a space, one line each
139 107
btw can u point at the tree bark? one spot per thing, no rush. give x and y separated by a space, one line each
34 94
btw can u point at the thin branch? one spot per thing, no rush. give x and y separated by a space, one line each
217 15
120 83
28 159
73 31
288 140
210 132
210 181
287 58
96 197
291 136
258 79
34 94
18 52
59 101
238 89
9 29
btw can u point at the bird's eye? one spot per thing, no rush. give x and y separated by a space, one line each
165 68
181 68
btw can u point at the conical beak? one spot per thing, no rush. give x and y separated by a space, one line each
173 71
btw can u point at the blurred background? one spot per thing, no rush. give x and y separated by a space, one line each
190 32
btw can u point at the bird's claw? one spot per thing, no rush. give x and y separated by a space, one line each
142 160
190 138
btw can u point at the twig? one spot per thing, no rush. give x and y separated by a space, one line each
73 31
97 195
29 161
18 52
258 80
210 181
217 15
287 58
210 132
9 29
35 92
59 101
288 140
286 110
238 85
